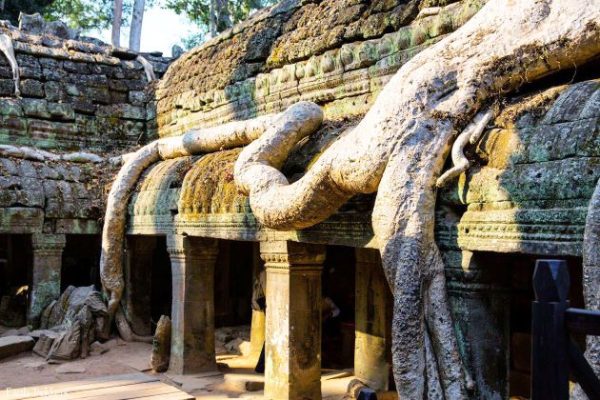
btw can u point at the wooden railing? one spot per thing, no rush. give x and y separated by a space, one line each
554 354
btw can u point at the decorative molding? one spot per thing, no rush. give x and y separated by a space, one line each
48 243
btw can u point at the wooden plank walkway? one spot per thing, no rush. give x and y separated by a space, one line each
117 387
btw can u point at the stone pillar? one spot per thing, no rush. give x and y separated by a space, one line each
193 309
138 282
293 326
478 292
47 252
373 321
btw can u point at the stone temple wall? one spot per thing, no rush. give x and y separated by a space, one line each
77 94
338 53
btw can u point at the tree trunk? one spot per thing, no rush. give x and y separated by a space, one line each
116 25
137 18
223 17
212 19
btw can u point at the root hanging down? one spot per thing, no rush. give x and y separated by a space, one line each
148 68
398 149
6 47
470 135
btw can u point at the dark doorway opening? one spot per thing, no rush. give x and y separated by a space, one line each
338 282
15 279
81 261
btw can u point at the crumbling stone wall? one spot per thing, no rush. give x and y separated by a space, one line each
77 94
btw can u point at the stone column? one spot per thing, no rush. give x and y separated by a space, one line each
373 321
138 282
293 326
47 252
193 309
478 292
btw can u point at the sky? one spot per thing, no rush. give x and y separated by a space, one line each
161 29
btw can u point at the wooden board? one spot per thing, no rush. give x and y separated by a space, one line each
117 387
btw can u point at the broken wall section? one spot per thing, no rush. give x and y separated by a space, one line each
75 94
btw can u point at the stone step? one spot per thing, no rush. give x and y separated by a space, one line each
12 345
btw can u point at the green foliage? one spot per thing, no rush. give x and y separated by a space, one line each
83 14
226 13
12 8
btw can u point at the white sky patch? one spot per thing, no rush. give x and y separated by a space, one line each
160 31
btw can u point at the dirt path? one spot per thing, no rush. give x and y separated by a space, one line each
236 378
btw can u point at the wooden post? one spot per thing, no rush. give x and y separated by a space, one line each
549 358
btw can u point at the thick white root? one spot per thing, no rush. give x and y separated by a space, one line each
470 135
31 153
148 68
6 47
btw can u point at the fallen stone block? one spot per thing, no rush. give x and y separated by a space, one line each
24 331
10 332
44 344
39 332
12 345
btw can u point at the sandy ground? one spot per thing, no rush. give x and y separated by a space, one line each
235 378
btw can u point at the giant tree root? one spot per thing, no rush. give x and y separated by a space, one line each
230 135
398 150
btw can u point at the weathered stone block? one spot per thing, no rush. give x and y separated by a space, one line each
11 107
35 108
77 67
54 91
123 111
13 345
61 111
72 89
84 106
7 88
32 88
137 97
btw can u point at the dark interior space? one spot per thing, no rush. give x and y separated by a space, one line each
15 278
81 261
234 275
161 288
338 282
522 268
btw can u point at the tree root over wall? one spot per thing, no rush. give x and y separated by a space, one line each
398 150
